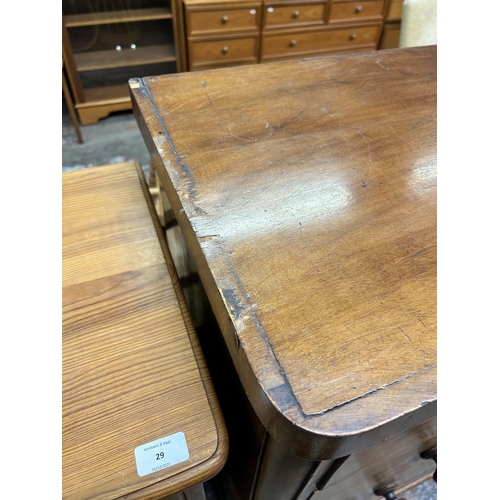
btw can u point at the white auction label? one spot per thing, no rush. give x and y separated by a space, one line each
160 454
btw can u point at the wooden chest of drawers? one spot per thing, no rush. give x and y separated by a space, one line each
222 33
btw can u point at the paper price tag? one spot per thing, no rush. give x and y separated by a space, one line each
160 454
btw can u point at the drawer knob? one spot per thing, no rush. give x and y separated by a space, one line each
225 49
225 19
432 454
270 9
295 15
118 48
387 491
353 36
293 43
358 9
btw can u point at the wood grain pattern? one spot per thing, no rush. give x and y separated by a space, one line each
132 368
306 192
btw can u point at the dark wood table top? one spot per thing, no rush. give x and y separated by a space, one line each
306 191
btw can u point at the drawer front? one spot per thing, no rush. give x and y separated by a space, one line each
296 44
215 53
223 21
395 459
349 11
290 15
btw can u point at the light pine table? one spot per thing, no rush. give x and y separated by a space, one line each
140 419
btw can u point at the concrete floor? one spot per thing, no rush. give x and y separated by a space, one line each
116 139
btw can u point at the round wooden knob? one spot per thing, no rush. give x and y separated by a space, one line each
353 36
358 9
387 491
295 15
225 19
431 454
225 49
293 43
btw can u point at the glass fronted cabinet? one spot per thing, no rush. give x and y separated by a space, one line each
107 42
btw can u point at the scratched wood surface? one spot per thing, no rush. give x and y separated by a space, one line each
306 192
132 367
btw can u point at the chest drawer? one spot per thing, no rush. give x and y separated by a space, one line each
396 459
204 54
297 44
222 21
350 11
291 15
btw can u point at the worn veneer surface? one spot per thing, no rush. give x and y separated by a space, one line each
132 368
307 193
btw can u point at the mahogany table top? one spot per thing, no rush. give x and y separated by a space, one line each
306 191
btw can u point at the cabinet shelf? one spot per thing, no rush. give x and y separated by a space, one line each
119 16
106 95
106 59
100 101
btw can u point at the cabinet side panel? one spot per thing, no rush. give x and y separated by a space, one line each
69 63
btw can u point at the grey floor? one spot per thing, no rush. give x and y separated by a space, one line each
116 139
